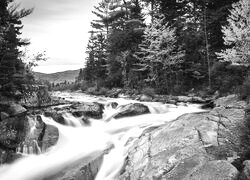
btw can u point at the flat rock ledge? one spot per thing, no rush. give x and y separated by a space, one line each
193 147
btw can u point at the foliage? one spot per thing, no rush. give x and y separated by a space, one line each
244 89
237 34
32 60
172 53
10 29
227 78
148 91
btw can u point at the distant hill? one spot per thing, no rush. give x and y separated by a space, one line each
58 77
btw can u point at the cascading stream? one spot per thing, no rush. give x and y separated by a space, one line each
77 142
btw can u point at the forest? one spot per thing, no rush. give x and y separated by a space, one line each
170 47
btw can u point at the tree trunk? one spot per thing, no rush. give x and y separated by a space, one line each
206 45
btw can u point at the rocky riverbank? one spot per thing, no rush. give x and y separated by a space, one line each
195 146
205 145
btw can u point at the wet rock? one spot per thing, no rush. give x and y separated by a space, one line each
114 105
49 138
215 170
132 109
92 110
184 99
196 99
85 169
246 171
114 93
15 109
145 98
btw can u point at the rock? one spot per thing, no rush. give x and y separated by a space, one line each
132 109
184 99
192 147
245 175
231 101
8 157
92 110
212 170
208 105
114 105
16 109
49 138
56 115
114 93
85 169
145 98
196 99
35 96
4 115
13 131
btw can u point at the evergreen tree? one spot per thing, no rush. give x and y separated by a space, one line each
11 66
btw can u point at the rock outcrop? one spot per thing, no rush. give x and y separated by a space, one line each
20 131
194 146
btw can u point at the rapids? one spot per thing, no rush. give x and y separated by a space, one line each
77 141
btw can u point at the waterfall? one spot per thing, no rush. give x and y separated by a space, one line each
77 141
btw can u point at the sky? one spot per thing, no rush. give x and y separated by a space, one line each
60 27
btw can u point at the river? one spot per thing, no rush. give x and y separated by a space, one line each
78 141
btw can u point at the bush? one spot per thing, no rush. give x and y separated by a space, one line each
84 86
103 91
91 90
148 91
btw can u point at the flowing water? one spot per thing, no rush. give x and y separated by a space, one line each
77 141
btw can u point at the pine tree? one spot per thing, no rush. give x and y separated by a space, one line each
237 34
11 66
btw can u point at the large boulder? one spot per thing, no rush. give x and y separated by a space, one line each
145 97
85 169
132 109
16 109
194 146
92 110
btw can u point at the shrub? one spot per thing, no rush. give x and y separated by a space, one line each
103 91
91 90
148 91
74 87
84 86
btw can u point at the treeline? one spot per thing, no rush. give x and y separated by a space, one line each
172 46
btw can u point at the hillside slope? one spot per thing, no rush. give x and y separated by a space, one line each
58 77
